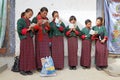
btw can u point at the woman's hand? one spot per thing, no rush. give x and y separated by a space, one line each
70 29
47 24
103 41
29 29
74 29
40 22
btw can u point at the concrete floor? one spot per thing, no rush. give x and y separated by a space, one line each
66 74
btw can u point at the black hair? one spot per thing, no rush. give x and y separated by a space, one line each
53 13
100 18
72 18
87 21
28 10
22 14
38 13
43 9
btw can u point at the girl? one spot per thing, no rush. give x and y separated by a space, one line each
85 61
72 31
27 58
41 36
101 54
56 34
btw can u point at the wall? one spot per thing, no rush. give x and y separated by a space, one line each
82 9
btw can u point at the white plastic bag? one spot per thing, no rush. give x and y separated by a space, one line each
48 68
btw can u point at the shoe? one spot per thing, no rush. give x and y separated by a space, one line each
59 68
23 73
71 67
39 69
105 67
74 68
84 67
29 73
99 68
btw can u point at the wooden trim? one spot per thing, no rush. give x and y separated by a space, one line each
3 50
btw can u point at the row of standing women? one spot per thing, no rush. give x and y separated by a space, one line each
49 41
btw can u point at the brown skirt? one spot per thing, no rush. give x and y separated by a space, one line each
58 51
41 49
101 55
27 56
86 53
72 51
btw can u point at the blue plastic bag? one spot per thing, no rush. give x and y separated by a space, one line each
48 68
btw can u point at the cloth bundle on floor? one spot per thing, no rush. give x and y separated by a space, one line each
15 67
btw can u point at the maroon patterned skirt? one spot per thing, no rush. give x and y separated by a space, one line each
58 51
72 51
86 53
101 55
41 49
27 56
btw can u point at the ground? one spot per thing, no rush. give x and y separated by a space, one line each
65 74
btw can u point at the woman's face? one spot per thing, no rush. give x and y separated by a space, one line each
43 14
56 15
29 14
88 25
73 21
98 22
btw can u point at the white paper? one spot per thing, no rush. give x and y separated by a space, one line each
71 25
44 21
57 20
32 25
92 32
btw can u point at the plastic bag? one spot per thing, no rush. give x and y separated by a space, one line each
48 68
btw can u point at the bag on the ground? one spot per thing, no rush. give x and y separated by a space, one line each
48 68
15 67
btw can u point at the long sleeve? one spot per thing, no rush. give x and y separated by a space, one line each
67 32
61 28
34 20
105 34
78 32
21 27
85 33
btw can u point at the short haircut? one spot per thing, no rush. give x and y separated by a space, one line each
53 13
28 10
43 9
87 21
100 18
72 18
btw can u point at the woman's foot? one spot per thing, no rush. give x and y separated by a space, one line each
29 72
59 68
23 73
104 67
99 68
85 67
72 67
39 69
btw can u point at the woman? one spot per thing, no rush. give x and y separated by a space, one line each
27 58
41 36
57 39
72 32
101 54
85 60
